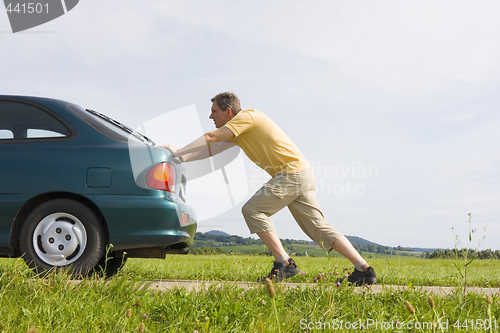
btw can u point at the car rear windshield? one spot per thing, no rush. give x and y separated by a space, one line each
104 127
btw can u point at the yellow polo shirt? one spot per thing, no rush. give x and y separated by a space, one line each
265 143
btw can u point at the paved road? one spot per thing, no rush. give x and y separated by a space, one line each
190 285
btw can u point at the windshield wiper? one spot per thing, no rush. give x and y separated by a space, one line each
127 129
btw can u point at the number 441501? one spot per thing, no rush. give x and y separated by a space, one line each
475 324
29 8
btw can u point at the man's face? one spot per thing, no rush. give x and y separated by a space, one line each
220 117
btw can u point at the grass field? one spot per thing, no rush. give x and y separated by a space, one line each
394 270
119 304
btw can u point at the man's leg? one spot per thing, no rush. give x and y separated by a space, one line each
345 248
257 213
306 211
272 241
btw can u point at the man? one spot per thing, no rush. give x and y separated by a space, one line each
292 183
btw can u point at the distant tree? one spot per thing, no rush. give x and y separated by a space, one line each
437 254
400 248
486 254
425 255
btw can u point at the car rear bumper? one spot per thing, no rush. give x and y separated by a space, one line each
149 221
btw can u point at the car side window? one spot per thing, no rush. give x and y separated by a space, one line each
6 134
23 121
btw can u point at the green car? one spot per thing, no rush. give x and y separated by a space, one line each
79 190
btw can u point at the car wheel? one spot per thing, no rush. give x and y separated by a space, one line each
62 234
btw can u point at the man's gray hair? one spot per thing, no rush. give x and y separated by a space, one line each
227 100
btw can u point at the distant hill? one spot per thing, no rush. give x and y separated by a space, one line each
421 249
217 233
355 240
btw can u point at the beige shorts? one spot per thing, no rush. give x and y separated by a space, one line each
295 191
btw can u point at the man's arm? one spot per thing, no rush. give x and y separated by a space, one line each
202 143
213 149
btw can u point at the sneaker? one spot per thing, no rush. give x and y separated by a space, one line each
280 271
360 278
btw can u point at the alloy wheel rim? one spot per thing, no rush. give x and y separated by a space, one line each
59 239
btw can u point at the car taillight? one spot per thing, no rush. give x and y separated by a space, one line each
185 219
161 177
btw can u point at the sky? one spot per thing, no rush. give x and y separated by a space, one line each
393 103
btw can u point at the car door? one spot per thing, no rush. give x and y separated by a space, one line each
26 129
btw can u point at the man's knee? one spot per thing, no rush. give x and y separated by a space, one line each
246 210
255 220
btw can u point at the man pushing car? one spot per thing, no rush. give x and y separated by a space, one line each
292 184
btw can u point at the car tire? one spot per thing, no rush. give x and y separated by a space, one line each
111 266
62 234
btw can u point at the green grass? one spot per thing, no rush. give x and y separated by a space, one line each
56 304
395 270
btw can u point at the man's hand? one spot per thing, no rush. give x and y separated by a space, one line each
172 149
201 147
